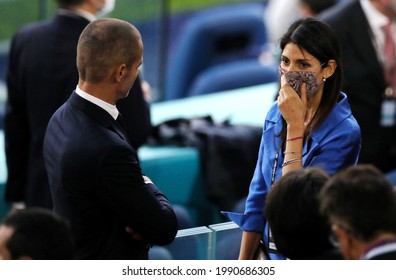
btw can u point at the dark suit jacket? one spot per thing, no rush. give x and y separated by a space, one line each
97 184
42 73
364 83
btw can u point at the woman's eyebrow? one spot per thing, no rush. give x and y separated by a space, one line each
297 60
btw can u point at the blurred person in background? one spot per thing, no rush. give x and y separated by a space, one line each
367 31
279 14
310 8
41 75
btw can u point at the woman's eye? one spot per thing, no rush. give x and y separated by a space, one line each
284 61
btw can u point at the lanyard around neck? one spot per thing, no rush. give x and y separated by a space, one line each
276 163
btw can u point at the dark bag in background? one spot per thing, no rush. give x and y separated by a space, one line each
228 159
228 154
178 132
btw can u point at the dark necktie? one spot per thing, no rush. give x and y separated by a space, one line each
388 106
120 120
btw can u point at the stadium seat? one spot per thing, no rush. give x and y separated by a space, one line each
233 75
214 36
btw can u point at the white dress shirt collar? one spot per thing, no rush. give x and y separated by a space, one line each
109 108
375 18
376 21
88 16
380 250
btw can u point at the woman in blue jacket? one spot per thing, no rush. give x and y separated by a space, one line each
310 124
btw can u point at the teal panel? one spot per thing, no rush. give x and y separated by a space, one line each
177 173
4 206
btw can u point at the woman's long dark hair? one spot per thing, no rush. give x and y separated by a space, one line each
320 40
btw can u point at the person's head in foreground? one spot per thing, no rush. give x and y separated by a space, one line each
360 205
292 211
35 233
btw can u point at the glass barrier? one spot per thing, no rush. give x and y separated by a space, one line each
4 206
215 242
227 240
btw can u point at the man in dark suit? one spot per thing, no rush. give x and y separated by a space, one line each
360 205
42 73
94 173
358 25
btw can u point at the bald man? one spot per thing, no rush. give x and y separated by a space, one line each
95 178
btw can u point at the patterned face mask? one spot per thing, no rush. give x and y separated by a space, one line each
296 78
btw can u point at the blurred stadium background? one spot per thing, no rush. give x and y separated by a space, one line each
158 20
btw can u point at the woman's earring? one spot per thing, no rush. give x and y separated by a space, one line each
324 79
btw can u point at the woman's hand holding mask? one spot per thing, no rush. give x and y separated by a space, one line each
291 105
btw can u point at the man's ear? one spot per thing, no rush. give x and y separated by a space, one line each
92 6
344 237
119 72
340 232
